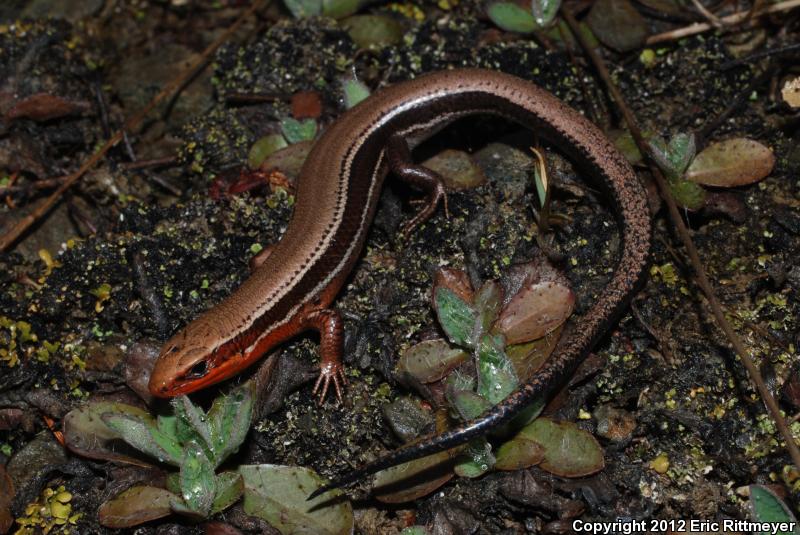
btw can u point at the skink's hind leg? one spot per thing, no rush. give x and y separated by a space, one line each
398 156
331 334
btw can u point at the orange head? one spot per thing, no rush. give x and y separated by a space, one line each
193 359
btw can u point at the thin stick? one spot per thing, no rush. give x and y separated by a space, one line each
729 20
694 257
131 124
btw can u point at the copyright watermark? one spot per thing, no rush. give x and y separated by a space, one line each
626 527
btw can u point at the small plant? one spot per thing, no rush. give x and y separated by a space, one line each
496 338
198 442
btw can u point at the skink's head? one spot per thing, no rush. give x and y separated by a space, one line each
191 360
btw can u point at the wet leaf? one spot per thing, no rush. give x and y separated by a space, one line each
191 422
456 280
767 507
262 148
512 17
142 433
230 487
617 24
304 8
373 31
354 92
43 107
135 506
730 163
496 377
430 360
278 495
407 418
534 311
469 404
306 105
673 158
86 434
456 317
544 11
414 479
457 169
569 451
229 420
415 530
687 194
476 459
296 131
519 453
198 483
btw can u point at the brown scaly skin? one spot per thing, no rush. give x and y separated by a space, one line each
337 194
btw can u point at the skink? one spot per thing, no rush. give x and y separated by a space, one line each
337 195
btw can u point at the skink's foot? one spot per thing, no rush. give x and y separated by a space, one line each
330 372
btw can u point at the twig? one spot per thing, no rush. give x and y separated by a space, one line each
729 20
759 55
712 18
131 124
155 162
694 257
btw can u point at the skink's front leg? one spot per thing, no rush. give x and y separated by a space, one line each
331 333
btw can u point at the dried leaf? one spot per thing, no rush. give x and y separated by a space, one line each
730 163
414 479
534 311
306 105
43 107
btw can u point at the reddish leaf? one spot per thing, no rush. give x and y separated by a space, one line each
43 107
454 279
306 104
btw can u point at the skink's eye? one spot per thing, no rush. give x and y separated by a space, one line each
198 370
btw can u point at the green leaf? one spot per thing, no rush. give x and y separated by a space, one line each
230 487
337 9
278 495
519 453
415 530
496 376
687 194
142 434
229 420
682 149
137 505
511 17
767 507
373 31
430 360
190 415
198 483
295 131
87 434
544 11
354 92
264 147
469 404
456 317
568 450
304 8
477 459
673 159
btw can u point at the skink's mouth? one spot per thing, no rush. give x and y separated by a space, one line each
196 378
